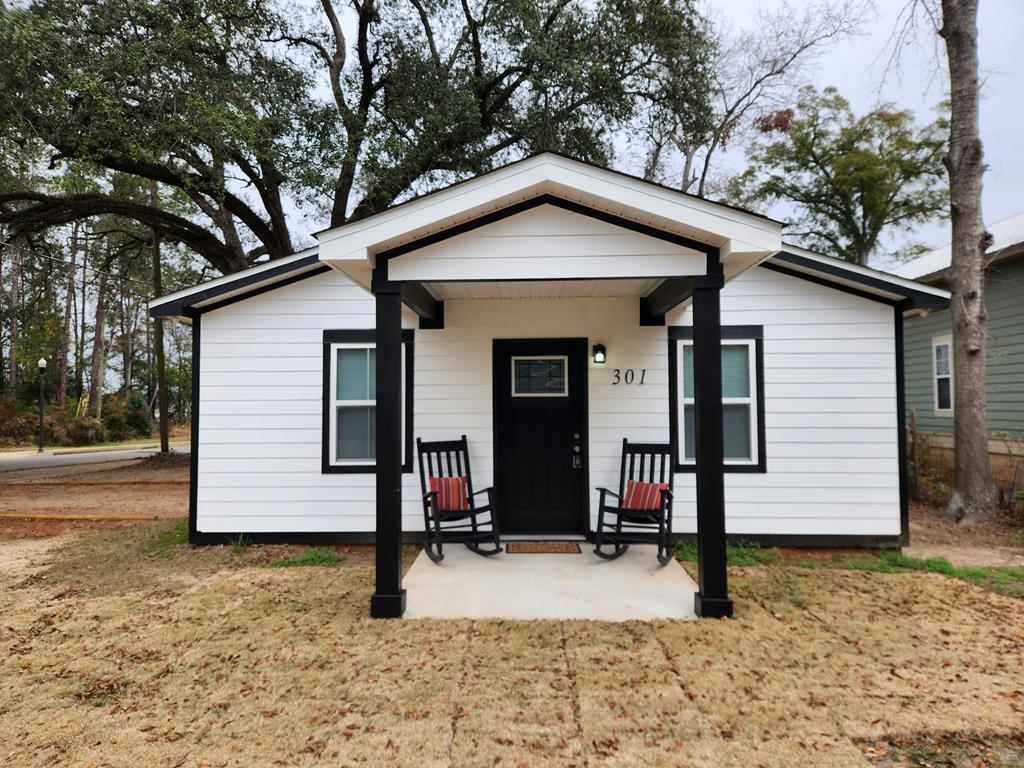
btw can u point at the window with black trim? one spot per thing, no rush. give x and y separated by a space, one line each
742 398
350 401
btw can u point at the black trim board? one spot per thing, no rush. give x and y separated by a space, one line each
901 427
670 294
322 538
178 307
534 202
915 299
193 464
429 310
364 336
677 333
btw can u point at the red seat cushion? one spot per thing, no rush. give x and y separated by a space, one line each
643 496
451 492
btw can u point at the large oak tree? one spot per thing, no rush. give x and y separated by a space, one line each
251 107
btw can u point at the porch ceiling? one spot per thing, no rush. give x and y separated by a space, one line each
541 289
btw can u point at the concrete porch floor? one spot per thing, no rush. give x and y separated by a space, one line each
468 586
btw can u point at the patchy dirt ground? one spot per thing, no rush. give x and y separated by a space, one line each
56 500
127 649
998 542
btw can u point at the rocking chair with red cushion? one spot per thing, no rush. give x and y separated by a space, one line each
643 512
450 512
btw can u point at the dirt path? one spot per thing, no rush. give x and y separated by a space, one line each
49 501
996 542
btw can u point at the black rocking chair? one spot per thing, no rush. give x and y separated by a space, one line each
619 526
446 459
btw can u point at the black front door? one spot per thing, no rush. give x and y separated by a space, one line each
540 435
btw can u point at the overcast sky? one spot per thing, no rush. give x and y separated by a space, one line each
858 68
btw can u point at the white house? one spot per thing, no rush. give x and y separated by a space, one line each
313 374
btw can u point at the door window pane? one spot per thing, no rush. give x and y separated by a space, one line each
357 432
535 376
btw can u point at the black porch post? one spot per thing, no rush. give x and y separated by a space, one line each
388 600
712 599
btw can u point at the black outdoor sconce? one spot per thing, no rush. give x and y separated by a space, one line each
600 355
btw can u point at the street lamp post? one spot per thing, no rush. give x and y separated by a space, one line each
42 391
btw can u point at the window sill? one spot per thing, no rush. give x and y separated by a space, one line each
358 469
728 468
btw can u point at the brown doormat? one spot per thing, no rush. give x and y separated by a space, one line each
542 548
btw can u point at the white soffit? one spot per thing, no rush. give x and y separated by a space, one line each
735 232
540 289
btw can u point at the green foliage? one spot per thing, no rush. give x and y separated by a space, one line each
851 178
168 540
240 543
737 554
223 101
127 418
311 556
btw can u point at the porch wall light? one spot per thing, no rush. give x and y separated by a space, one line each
600 355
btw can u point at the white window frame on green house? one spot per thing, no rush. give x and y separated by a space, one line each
939 342
749 401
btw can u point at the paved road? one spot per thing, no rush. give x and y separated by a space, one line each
27 460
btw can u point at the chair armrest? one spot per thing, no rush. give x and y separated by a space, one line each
483 490
609 493
427 496
668 492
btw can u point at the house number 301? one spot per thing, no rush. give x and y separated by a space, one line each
628 376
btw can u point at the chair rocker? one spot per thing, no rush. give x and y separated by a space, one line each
642 513
450 512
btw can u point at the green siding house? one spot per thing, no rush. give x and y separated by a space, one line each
929 379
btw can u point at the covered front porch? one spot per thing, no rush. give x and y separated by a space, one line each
548 229
545 585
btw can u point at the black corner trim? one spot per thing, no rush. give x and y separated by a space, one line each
178 308
901 427
677 333
917 299
364 336
193 463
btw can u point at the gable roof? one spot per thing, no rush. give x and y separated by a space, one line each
1007 239
742 237
871 283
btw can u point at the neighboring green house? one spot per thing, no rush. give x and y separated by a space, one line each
929 377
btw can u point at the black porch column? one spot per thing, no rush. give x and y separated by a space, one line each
388 600
712 601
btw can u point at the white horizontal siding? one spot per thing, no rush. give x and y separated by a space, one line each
550 243
830 412
829 400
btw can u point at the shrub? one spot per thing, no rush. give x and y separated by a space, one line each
124 419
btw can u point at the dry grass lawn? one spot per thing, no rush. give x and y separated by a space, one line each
128 650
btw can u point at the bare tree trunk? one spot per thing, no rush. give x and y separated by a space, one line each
12 358
158 348
80 341
974 490
62 354
98 344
